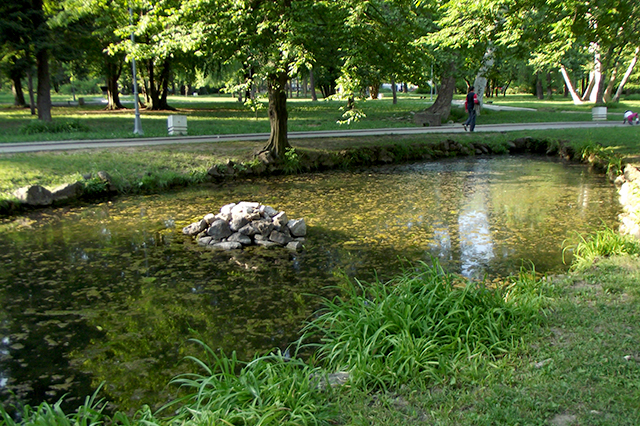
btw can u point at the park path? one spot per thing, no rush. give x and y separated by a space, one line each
10 148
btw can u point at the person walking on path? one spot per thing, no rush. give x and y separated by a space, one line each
470 105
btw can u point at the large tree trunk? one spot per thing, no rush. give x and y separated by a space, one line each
480 83
312 83
278 116
113 71
159 86
625 78
44 85
442 104
374 90
18 94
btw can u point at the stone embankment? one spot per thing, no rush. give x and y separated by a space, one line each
629 190
245 224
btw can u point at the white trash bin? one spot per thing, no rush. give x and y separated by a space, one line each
177 124
599 113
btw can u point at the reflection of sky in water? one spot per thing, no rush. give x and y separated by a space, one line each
476 245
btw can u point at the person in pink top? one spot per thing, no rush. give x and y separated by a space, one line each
629 116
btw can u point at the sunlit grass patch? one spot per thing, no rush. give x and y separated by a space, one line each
424 325
601 244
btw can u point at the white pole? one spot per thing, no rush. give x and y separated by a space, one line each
137 125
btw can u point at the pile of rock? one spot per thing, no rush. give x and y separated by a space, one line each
248 223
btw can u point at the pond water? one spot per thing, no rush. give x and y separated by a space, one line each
113 292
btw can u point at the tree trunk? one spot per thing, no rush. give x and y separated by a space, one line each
374 90
44 85
394 90
609 89
113 71
625 78
480 83
569 85
539 91
32 101
312 83
442 104
18 94
549 88
159 86
278 116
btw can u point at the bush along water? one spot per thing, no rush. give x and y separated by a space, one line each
422 327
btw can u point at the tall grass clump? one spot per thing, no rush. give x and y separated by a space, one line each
269 390
423 325
603 243
45 414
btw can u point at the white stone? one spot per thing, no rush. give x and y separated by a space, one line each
298 227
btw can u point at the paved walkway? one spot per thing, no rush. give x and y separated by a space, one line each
7 148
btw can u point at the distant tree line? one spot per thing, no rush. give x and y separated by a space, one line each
342 48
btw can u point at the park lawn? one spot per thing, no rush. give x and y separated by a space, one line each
222 114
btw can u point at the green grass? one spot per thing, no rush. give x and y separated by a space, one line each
424 327
602 244
221 114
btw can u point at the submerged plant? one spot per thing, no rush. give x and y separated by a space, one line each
270 390
423 325
603 243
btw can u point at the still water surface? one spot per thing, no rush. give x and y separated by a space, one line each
112 292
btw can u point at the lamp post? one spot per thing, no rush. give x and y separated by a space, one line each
137 125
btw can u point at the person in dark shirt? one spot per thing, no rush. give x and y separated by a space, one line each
469 106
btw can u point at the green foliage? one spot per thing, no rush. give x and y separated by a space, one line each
424 325
610 160
601 244
270 390
254 105
94 186
291 161
56 126
46 414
